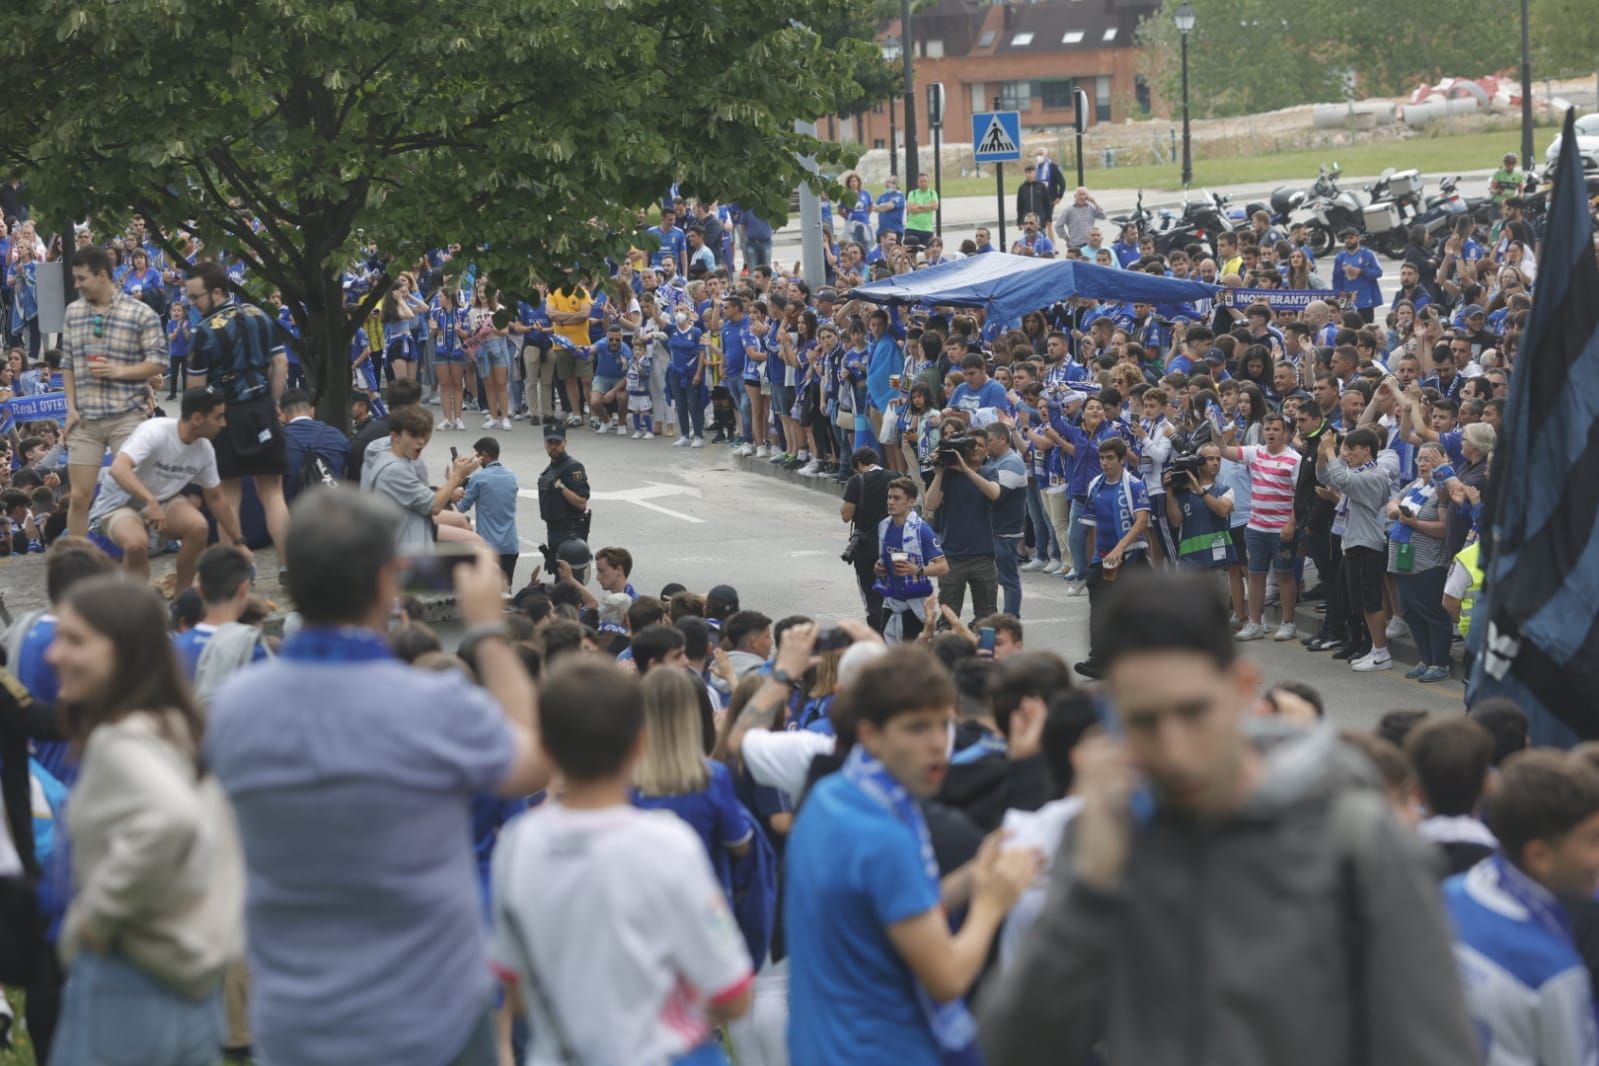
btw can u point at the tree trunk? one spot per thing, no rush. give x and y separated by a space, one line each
326 354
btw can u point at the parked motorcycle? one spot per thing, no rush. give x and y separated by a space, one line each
1394 204
1328 211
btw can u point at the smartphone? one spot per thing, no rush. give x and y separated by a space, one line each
985 642
833 638
433 571
454 454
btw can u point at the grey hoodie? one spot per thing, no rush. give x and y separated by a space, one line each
405 482
1303 930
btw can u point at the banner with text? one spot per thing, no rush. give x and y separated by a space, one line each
47 406
1282 299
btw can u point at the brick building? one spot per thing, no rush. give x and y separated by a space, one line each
1029 55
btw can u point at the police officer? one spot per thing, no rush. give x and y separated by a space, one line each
236 348
563 492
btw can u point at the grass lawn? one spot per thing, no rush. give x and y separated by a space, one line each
1467 151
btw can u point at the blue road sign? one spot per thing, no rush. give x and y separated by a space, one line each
997 136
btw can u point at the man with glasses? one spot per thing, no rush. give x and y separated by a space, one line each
114 347
236 349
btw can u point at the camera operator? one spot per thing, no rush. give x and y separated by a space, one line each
1200 511
964 500
865 505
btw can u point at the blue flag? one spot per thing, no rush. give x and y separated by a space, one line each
1536 629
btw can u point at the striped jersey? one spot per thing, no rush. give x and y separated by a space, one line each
1271 486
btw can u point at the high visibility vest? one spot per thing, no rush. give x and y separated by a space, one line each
1468 559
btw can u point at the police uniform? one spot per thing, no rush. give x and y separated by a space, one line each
233 347
562 521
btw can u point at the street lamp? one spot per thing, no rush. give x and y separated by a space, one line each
909 55
891 52
1526 94
1185 25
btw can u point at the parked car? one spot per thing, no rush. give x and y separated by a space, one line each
1587 143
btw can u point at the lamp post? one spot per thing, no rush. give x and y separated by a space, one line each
1185 25
1526 94
908 52
891 52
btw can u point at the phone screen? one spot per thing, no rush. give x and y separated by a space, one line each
433 571
985 641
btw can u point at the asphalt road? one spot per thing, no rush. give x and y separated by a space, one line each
693 517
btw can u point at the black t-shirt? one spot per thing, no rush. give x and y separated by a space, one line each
869 493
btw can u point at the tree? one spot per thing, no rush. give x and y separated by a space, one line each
289 131
1260 55
1566 35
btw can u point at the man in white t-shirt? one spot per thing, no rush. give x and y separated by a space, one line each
608 918
141 489
1271 536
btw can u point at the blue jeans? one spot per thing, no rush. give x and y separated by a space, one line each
113 1012
690 412
1010 578
1077 540
1044 546
741 402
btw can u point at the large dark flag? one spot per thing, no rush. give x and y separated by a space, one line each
1536 629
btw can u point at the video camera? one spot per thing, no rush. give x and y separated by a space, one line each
1187 464
952 449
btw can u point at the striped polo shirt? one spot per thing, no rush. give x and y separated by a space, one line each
1271 485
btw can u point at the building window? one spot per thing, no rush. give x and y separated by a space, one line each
1110 34
877 109
1056 93
1101 99
933 49
877 142
1015 95
1022 40
1072 37
986 39
980 99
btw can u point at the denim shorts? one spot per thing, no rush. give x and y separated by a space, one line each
603 384
495 352
451 358
1268 551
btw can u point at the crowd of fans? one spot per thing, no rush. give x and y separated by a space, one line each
688 826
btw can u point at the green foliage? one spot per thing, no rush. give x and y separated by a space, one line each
536 126
1566 35
1260 55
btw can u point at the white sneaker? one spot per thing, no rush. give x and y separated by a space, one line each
1376 659
1396 628
621 429
1077 588
505 423
647 435
810 469
745 450
762 452
489 423
1235 620
574 420
682 442
699 442
1032 566
1054 566
1286 631
638 434
1251 631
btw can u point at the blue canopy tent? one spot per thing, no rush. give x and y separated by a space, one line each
1008 286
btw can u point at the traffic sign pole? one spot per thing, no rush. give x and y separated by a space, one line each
935 120
999 197
1080 121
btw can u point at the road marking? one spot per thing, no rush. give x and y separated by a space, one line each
641 497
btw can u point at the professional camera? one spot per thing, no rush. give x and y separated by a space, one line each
1179 468
952 449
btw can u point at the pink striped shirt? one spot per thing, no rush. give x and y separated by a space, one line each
1271 484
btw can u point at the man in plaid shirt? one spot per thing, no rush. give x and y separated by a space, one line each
113 346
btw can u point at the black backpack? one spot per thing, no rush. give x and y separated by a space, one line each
315 471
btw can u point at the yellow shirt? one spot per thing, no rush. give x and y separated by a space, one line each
1235 265
578 300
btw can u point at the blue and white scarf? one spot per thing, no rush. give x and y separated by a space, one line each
951 1023
910 542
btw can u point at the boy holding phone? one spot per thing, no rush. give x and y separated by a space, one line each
1193 905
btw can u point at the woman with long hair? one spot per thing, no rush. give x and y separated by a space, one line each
399 344
857 206
1036 331
1255 368
1252 407
1301 274
159 910
674 774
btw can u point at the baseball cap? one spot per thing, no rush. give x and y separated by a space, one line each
1472 311
1348 231
555 432
1510 157
725 596
1215 355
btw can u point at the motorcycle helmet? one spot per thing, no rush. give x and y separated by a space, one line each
574 552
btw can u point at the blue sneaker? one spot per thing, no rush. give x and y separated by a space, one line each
1435 673
1416 671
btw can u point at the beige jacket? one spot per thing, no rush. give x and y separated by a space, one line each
156 858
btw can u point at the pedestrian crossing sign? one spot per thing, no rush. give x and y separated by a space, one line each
996 136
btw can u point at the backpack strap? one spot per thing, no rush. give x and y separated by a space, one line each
1353 821
524 949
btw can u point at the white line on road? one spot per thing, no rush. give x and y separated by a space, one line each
666 511
640 497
